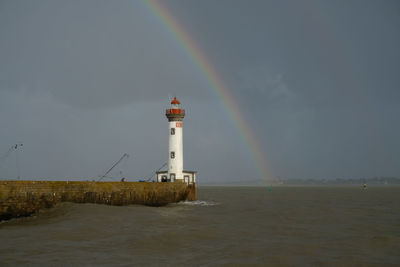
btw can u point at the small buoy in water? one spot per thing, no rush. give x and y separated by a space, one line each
270 189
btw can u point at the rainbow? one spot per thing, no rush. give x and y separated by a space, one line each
204 65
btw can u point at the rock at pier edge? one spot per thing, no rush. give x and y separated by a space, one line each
23 198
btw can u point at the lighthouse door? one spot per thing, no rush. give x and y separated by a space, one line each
172 177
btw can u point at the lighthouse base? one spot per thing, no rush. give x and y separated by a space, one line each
188 177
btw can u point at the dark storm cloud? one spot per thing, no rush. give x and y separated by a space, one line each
82 82
91 54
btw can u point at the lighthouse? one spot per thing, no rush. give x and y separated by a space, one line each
175 172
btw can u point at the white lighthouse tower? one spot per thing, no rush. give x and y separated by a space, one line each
175 172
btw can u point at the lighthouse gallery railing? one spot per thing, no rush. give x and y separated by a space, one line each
175 111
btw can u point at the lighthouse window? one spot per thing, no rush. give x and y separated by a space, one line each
172 154
172 131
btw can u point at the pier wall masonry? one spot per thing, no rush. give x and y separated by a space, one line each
23 198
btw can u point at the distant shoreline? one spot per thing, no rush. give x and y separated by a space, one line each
376 181
299 185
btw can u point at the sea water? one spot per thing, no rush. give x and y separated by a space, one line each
288 226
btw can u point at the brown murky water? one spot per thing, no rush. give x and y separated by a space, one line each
290 226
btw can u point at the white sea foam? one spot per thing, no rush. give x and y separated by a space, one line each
199 203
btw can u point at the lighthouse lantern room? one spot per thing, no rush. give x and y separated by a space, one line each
175 172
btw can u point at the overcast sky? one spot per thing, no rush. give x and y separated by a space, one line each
82 82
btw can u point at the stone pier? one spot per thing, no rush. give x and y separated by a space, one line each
23 198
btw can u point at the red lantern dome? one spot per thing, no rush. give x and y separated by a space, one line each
175 101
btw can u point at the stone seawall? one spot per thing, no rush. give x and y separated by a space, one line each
23 198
